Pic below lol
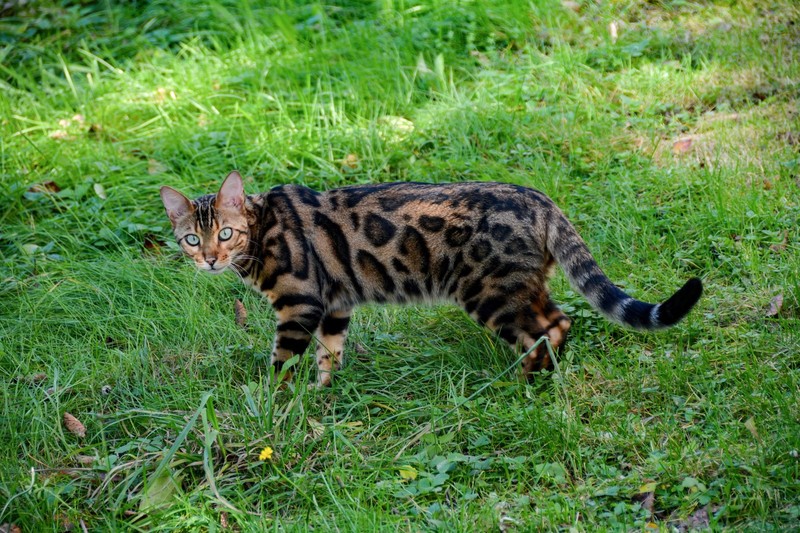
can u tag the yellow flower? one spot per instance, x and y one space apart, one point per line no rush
266 454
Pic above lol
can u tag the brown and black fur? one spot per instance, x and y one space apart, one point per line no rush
489 247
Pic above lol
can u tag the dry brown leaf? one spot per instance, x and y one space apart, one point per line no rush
10 528
481 58
646 497
47 186
51 391
682 146
240 314
223 520
65 522
750 424
60 135
350 163
74 425
775 305
85 460
696 521
782 246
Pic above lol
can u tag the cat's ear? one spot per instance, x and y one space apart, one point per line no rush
231 194
176 204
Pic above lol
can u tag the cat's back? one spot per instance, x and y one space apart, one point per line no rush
451 212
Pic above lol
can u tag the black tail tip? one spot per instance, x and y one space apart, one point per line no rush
680 303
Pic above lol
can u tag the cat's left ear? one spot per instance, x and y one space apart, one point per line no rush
231 194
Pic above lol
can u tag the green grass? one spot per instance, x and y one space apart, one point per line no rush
109 101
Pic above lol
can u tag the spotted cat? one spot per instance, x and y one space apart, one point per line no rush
489 247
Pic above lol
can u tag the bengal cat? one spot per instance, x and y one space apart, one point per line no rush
489 247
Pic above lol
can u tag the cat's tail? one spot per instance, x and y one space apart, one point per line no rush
587 278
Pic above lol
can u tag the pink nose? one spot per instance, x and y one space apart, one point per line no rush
211 261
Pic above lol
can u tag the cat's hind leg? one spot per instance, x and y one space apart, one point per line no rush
546 320
330 344
522 325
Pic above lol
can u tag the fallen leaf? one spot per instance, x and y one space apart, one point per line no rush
682 146
60 135
782 246
51 391
47 186
750 424
767 184
33 379
481 58
775 305
646 500
152 242
350 163
317 429
223 520
10 528
240 314
74 425
85 460
408 473
100 191
696 521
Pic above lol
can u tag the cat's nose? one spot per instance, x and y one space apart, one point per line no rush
211 261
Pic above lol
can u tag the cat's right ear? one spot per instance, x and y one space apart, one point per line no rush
231 194
176 204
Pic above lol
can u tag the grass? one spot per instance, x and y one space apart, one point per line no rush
674 149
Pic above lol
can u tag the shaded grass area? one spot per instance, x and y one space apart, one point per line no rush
673 147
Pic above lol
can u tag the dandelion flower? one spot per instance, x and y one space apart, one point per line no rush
266 454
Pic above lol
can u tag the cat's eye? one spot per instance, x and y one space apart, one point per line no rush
192 239
225 234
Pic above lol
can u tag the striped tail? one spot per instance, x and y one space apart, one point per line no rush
587 278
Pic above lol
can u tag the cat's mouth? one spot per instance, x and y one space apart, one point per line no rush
216 268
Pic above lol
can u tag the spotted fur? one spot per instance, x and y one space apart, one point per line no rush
488 247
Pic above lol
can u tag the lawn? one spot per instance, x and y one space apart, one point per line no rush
667 131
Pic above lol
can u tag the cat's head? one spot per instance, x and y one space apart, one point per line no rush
212 229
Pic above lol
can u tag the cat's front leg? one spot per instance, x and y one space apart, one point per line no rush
330 344
298 318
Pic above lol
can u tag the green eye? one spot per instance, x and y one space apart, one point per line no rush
225 234
192 239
